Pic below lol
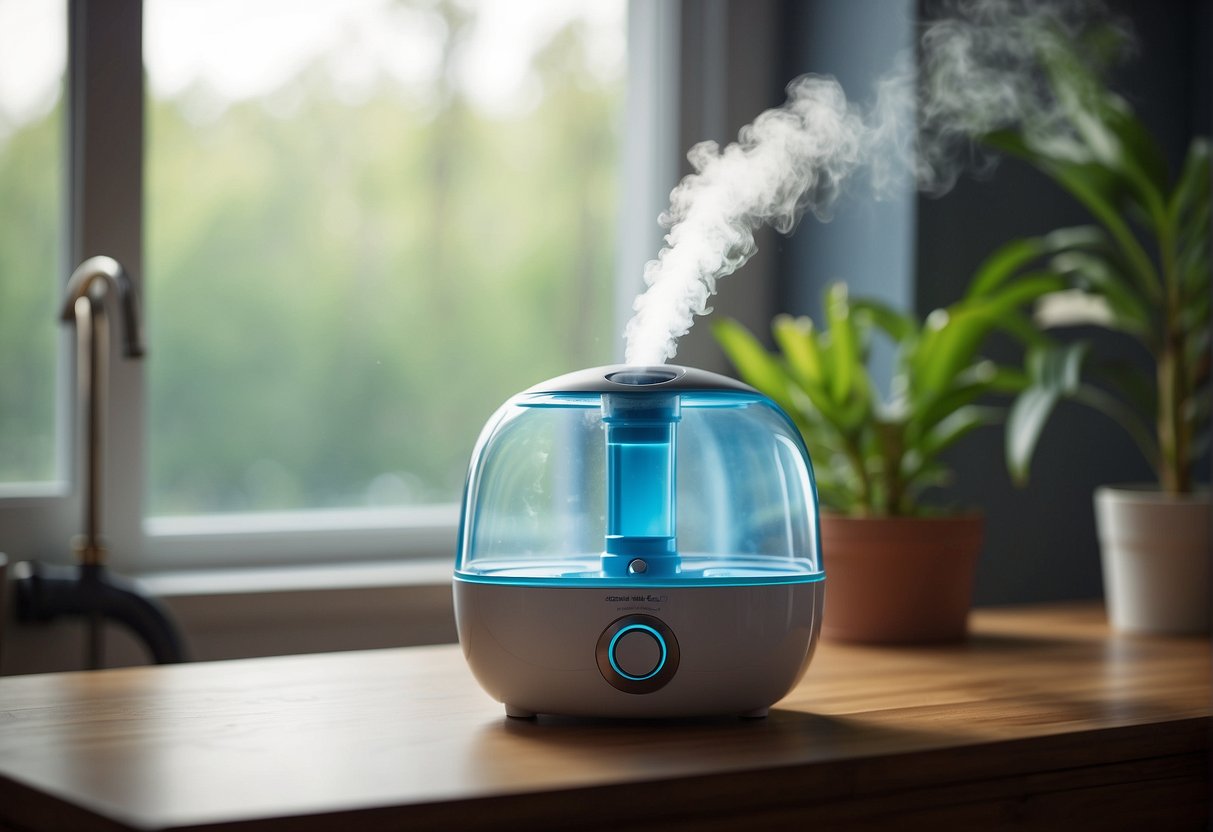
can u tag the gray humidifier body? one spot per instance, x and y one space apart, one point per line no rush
639 542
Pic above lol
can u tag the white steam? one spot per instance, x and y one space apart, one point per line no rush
979 70
789 159
982 68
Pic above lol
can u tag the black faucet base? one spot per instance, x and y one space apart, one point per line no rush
91 591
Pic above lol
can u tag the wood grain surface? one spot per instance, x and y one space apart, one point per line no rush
1042 718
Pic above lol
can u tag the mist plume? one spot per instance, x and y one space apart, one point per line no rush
978 70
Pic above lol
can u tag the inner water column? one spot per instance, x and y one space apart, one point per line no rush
640 444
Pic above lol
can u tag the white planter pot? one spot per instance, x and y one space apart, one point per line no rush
1156 552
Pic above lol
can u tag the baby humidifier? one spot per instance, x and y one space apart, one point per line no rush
639 542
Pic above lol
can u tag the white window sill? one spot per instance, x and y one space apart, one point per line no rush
207 583
213 543
264 611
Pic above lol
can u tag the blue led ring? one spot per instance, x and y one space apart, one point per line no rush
624 631
616 676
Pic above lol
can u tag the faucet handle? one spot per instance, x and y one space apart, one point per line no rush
107 273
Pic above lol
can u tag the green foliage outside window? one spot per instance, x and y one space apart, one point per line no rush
29 255
338 295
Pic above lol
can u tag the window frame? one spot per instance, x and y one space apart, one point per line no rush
104 163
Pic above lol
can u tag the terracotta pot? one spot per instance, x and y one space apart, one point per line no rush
1155 550
899 580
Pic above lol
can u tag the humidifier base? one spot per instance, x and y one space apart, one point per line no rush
638 652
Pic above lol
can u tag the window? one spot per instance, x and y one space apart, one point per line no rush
33 52
365 224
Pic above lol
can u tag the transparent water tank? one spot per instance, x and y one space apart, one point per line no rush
649 476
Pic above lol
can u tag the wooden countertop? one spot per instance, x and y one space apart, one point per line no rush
1041 715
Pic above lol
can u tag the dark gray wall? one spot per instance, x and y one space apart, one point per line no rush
738 57
919 252
1040 541
869 242
730 71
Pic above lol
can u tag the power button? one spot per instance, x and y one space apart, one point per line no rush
637 654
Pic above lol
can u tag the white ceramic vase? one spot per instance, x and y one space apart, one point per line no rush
1156 550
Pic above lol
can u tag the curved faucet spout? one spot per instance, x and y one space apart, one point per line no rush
89 590
92 279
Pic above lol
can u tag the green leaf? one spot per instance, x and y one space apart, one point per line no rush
1093 273
1054 372
1193 266
1137 156
1007 260
1096 187
1193 228
1025 423
951 339
858 409
754 364
997 379
1194 317
838 497
921 468
798 341
1003 263
812 400
918 478
807 403
953 336
958 424
975 382
844 346
1108 130
1021 329
899 326
1193 186
903 331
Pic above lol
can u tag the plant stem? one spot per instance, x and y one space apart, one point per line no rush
892 445
1173 433
854 455
1173 472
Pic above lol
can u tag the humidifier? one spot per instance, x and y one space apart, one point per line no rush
639 542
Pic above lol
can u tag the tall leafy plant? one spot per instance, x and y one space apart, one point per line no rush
1143 271
874 455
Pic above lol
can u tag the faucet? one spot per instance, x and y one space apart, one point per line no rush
84 304
44 592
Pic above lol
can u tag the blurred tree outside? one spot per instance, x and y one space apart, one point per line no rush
33 39
339 290
30 186
339 294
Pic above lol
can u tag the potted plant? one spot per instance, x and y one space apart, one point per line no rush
1144 271
897 570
